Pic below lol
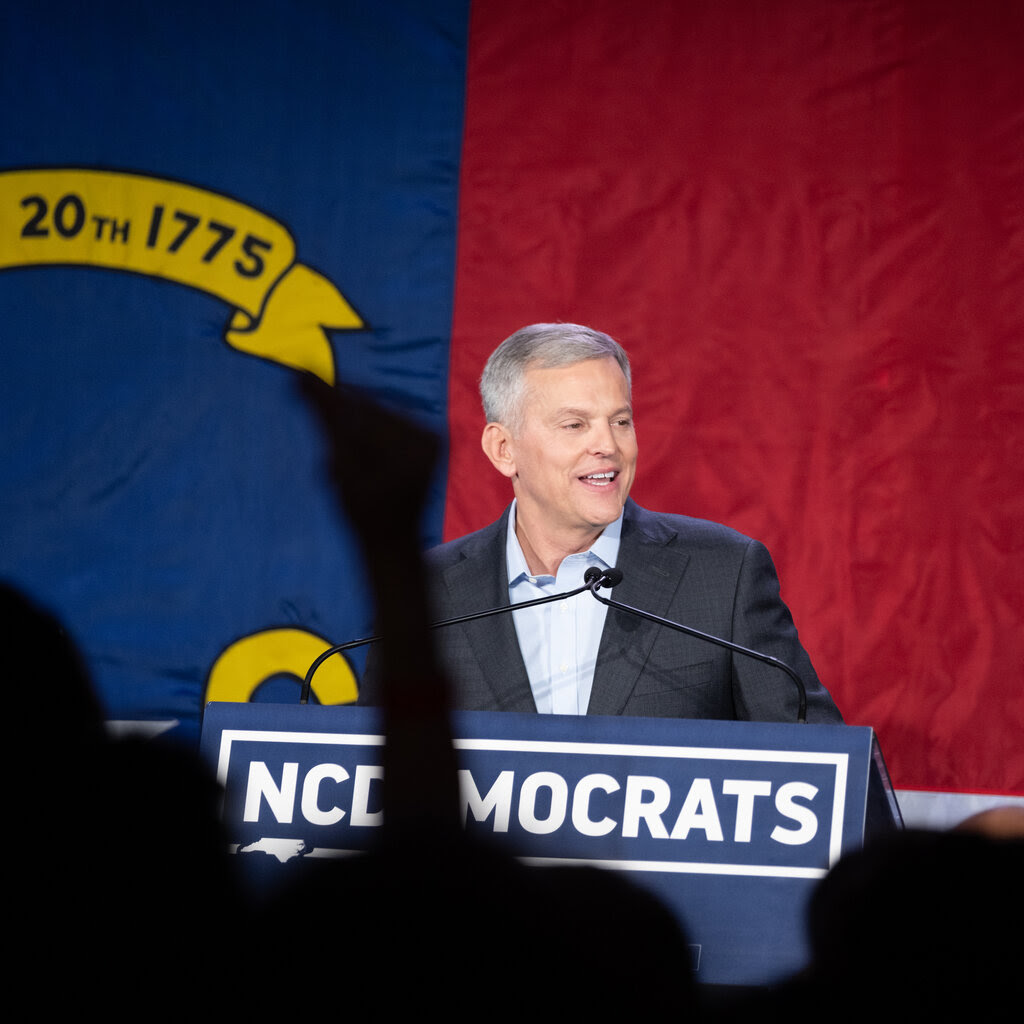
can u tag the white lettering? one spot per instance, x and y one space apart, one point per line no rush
528 803
311 810
544 803
747 790
804 816
261 785
581 819
498 799
650 811
699 811
361 815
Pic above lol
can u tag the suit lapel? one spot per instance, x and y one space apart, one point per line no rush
475 583
652 571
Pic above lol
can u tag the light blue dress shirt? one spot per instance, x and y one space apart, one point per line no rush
559 641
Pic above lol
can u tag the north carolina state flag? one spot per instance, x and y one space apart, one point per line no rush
195 200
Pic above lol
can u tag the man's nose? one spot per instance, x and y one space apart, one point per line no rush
602 439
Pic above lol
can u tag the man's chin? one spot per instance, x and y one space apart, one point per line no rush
604 513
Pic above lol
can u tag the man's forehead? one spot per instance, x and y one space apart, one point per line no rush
554 392
586 412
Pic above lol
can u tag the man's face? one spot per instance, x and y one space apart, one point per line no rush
573 463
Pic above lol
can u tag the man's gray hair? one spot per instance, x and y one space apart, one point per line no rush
547 346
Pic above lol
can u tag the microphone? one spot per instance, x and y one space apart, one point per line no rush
593 576
597 578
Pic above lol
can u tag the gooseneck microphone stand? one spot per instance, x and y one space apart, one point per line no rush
589 577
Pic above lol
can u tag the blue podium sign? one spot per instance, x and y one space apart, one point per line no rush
729 823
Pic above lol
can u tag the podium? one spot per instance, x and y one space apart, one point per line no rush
730 824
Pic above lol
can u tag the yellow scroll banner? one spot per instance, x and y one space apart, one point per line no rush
194 237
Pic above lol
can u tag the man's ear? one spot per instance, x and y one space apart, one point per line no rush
497 446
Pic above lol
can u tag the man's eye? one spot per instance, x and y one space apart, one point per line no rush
574 426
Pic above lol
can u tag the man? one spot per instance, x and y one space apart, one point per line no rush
557 398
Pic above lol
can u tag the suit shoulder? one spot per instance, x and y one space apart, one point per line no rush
695 534
445 555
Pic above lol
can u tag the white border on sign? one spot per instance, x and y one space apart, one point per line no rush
839 762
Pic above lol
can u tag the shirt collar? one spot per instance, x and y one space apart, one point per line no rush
605 549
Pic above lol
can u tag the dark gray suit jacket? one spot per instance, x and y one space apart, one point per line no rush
692 571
